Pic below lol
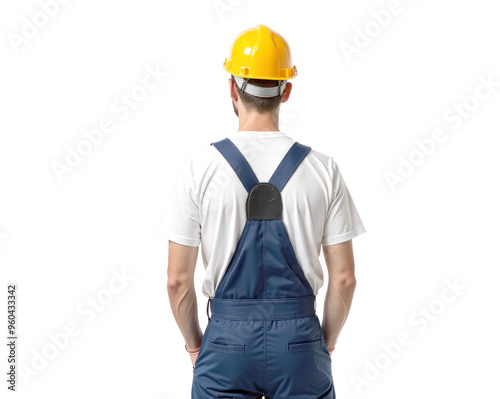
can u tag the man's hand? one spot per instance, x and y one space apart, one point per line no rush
331 351
194 354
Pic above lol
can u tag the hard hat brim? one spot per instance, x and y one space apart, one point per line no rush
245 72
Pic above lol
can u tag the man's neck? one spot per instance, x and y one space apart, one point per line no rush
268 122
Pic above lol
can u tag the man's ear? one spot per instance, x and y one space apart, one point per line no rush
232 89
286 92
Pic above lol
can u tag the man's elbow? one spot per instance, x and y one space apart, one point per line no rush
347 282
176 284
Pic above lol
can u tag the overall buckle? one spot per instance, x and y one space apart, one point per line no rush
209 304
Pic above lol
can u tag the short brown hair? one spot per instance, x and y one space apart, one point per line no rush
259 104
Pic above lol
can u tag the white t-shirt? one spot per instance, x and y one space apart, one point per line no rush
208 204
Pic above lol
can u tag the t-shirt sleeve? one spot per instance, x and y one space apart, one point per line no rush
342 221
184 225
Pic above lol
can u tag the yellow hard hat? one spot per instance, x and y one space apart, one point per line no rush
260 53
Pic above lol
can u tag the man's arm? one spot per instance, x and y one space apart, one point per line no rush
181 292
341 285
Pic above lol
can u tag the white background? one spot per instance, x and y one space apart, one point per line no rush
61 239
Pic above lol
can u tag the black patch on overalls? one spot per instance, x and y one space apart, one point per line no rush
264 202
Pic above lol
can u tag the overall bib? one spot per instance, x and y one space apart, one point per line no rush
263 336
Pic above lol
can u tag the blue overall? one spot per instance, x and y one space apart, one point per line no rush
263 336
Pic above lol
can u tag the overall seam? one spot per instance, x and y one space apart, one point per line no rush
265 356
265 259
291 253
277 300
252 318
236 254
265 296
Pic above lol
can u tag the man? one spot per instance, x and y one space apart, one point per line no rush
261 205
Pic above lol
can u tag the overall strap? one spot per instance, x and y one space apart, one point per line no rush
238 162
288 165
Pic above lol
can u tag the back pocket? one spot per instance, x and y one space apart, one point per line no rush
303 344
226 346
